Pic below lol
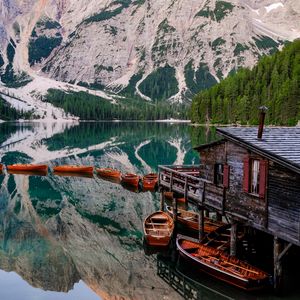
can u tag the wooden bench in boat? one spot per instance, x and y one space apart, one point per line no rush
155 223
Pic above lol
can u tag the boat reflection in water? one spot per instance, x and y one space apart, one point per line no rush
73 174
194 285
183 284
29 173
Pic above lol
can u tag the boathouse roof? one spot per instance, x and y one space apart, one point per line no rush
280 144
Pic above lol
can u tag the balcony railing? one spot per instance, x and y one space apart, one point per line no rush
185 180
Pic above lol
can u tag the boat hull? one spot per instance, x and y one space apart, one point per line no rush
189 220
150 181
130 179
110 173
158 229
73 169
247 284
27 167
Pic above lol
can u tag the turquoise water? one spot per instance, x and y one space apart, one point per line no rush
81 238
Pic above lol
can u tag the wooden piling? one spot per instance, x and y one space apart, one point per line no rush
175 210
201 223
277 278
233 239
218 216
162 200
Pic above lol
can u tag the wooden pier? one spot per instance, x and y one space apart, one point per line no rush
249 180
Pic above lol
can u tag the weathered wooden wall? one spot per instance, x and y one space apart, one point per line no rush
238 202
208 158
278 213
284 203
244 206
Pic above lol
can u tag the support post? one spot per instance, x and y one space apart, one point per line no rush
186 194
162 200
218 216
201 223
277 278
233 239
175 210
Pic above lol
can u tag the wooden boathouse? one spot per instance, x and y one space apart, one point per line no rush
250 176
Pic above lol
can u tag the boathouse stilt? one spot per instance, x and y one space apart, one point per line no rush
280 250
201 223
162 201
175 213
233 239
218 217
277 277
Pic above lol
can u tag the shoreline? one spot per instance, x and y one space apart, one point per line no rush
96 121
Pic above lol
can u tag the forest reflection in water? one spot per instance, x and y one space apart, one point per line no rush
57 231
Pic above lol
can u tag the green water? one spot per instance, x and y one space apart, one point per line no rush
81 238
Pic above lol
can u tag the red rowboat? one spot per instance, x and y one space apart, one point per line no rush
73 169
158 229
222 266
27 167
150 181
190 220
130 179
1 167
108 172
169 196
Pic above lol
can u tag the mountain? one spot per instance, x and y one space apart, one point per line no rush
274 82
151 49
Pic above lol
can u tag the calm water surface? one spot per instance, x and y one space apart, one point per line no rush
81 238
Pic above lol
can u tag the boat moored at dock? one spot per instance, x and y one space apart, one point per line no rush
73 169
158 229
150 181
190 220
27 167
130 179
108 172
222 266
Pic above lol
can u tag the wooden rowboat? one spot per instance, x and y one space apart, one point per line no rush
150 181
190 220
73 169
169 196
130 179
27 167
1 167
108 172
220 238
222 266
158 229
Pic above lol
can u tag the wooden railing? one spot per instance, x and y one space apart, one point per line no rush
185 180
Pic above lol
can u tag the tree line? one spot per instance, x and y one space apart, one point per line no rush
90 107
273 82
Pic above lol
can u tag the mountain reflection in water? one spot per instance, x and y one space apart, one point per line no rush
62 234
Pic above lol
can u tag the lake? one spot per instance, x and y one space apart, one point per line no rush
82 238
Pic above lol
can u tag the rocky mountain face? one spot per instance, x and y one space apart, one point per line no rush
156 49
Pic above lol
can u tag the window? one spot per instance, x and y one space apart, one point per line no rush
219 173
254 176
